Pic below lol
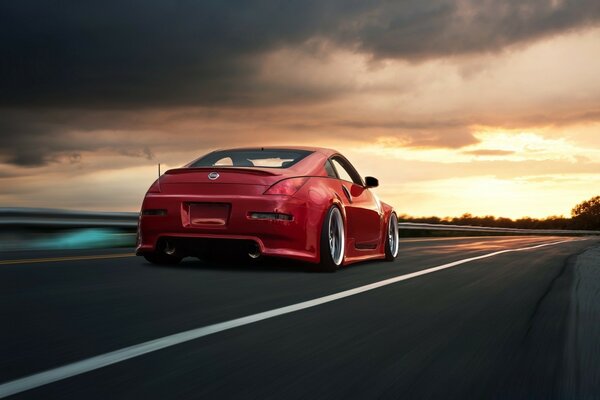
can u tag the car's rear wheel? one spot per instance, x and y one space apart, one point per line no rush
392 243
162 259
333 241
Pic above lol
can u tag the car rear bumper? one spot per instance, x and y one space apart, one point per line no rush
296 236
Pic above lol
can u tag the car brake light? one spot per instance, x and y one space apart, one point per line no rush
287 187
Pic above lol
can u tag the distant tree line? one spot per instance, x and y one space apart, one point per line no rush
584 216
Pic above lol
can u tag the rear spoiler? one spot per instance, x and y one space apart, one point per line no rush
242 170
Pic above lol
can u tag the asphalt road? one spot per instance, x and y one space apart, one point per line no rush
495 327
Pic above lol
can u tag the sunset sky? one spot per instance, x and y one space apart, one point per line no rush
486 107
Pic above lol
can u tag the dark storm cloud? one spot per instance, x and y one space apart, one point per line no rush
23 138
37 137
132 53
425 29
145 52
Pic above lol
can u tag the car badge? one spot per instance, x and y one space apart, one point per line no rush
213 175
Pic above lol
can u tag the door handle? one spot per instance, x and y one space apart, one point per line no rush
347 193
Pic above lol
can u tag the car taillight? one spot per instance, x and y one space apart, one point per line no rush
287 187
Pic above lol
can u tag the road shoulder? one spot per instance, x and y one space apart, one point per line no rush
582 350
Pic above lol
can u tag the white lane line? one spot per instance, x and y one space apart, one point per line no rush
103 360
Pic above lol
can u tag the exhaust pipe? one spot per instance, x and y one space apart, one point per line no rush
254 251
169 248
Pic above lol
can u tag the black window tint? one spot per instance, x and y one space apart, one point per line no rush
268 158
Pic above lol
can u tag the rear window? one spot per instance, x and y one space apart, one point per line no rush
269 158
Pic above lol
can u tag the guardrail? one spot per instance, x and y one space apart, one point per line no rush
49 218
54 218
468 228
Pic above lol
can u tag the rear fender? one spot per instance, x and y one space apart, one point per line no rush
387 212
334 201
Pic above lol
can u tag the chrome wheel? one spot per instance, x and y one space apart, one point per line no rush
393 240
336 236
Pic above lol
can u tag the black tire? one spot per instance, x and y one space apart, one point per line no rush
328 262
161 259
392 243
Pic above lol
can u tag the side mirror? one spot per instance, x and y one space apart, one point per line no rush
371 182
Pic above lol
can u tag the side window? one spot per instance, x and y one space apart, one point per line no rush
329 169
341 171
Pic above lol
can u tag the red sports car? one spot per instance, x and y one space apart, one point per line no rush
303 203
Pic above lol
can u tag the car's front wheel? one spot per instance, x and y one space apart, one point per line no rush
333 241
392 243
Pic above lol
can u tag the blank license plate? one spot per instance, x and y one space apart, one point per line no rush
209 214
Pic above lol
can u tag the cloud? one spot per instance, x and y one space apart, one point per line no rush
427 140
591 115
143 152
489 152
33 138
421 29
152 53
